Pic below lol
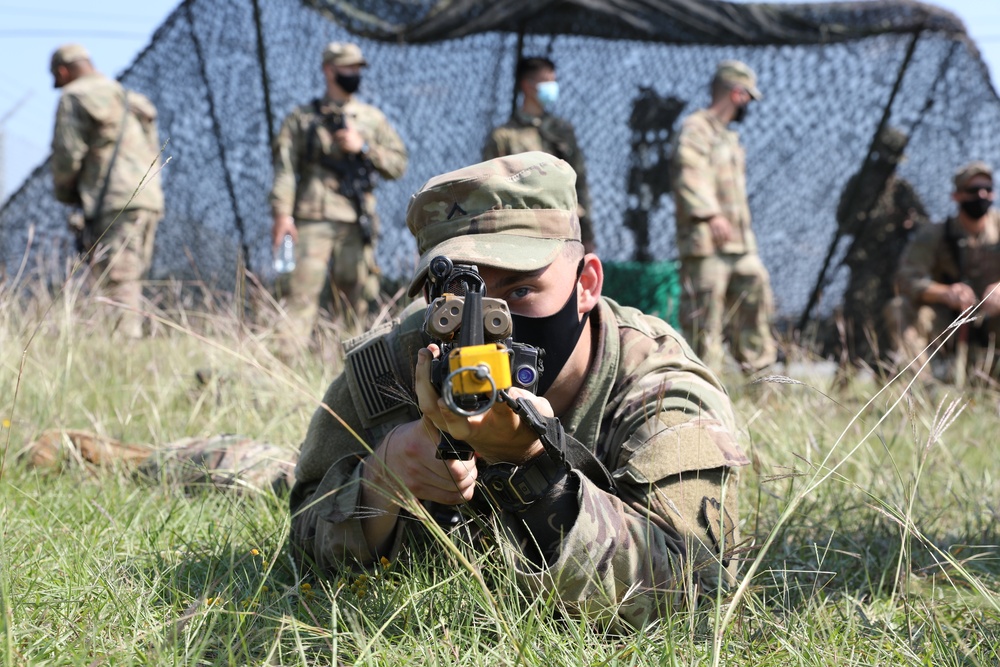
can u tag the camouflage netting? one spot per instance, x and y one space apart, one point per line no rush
833 74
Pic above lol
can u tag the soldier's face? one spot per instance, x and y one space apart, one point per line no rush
529 86
978 187
60 76
542 293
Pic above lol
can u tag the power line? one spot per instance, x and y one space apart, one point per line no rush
62 32
48 14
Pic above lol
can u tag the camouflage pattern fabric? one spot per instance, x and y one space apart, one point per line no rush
736 287
709 170
88 122
224 461
334 268
122 251
929 257
306 190
329 256
880 235
943 253
549 134
512 213
649 410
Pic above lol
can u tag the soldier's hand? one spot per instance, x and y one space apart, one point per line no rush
722 230
408 456
991 300
499 434
349 140
960 296
283 224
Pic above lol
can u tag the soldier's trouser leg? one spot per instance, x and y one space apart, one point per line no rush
749 301
912 327
312 261
703 291
351 268
122 252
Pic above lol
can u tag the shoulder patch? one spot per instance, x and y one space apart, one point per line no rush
372 379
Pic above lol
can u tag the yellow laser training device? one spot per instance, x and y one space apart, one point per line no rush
493 360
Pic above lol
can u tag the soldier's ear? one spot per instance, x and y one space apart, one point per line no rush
591 282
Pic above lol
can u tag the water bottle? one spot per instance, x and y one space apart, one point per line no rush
284 255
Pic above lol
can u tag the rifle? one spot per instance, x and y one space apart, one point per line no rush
356 173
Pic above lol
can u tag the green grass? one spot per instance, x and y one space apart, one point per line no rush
874 525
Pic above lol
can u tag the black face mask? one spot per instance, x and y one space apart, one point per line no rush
557 334
976 208
349 82
741 113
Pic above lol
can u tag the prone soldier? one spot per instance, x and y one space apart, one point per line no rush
613 485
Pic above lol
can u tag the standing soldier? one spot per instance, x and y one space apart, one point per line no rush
326 160
880 212
533 128
720 270
105 154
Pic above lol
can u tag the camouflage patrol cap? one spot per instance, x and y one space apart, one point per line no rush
738 73
970 171
66 54
343 53
514 213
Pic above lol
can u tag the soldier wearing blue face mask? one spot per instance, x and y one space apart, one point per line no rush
533 127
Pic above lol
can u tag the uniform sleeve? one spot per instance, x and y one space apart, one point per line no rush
695 186
493 147
633 557
388 153
286 155
916 265
326 518
69 147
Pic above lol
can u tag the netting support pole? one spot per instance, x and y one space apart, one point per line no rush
217 129
265 82
517 59
886 113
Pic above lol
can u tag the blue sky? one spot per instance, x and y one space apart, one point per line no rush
115 31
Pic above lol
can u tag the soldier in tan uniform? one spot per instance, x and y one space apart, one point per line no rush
104 147
327 157
644 511
948 268
721 272
533 128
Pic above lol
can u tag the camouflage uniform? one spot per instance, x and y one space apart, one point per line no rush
331 247
549 134
88 122
648 409
222 461
709 171
880 235
943 253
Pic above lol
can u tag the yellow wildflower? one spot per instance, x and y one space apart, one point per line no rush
6 423
385 563
254 552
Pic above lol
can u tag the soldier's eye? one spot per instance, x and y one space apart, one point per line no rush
519 293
